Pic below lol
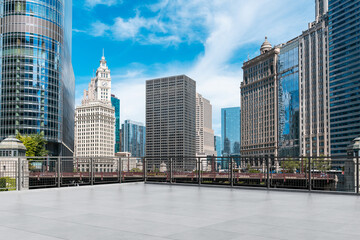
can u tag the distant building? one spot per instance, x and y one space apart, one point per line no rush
217 145
288 99
115 102
344 60
133 138
314 85
95 122
204 131
171 117
259 110
230 130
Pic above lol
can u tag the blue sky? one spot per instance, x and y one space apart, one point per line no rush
208 40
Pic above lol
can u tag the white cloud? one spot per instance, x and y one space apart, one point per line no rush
93 3
98 29
224 27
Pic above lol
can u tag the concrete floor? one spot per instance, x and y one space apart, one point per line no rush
155 212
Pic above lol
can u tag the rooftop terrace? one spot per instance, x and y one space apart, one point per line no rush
155 212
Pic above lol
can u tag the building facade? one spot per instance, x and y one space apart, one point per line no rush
289 100
230 131
259 110
171 117
217 145
133 138
95 118
36 80
344 60
314 85
204 131
115 102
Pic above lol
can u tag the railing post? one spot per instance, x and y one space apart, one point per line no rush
171 171
119 166
357 173
144 168
91 171
267 172
59 172
19 174
231 171
310 167
199 170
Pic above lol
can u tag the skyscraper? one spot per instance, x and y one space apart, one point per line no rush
288 99
204 131
37 79
171 117
230 131
133 138
95 118
217 145
344 60
259 110
314 85
115 102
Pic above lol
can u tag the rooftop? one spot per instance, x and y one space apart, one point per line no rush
155 212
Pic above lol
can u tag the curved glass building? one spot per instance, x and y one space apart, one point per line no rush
36 77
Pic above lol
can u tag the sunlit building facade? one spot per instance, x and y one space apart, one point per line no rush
36 76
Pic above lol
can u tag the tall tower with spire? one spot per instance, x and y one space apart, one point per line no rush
95 121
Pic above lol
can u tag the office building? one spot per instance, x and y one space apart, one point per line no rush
288 99
230 131
314 85
95 118
171 117
204 131
344 60
259 110
37 80
115 102
217 145
133 138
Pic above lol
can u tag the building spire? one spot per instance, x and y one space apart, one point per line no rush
103 53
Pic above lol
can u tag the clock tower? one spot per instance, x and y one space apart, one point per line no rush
102 82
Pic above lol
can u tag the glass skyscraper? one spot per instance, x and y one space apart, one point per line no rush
230 130
115 102
133 138
217 145
288 99
344 70
36 79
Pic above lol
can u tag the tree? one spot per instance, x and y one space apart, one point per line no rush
290 165
34 143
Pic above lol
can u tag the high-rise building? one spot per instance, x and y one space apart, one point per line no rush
37 80
288 99
217 145
204 131
133 138
259 110
115 102
344 60
230 131
314 85
95 118
171 117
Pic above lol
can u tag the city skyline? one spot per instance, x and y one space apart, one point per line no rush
141 55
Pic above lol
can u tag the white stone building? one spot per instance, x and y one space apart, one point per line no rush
95 124
204 131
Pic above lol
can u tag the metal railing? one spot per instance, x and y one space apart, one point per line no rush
324 174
